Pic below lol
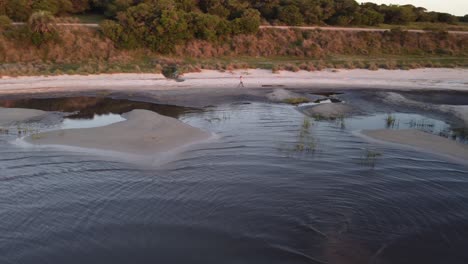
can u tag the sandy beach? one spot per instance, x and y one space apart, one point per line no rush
144 133
434 79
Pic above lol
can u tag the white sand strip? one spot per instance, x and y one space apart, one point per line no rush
454 79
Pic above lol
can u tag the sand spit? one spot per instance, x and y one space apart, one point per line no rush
460 111
144 133
423 141
280 95
454 79
11 116
330 110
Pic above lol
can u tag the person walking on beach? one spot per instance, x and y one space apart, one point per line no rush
241 82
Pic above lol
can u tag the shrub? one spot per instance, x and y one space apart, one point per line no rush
42 27
5 23
372 67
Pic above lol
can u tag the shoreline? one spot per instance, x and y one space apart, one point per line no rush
417 79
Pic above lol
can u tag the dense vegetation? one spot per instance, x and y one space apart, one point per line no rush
135 34
162 24
83 50
290 12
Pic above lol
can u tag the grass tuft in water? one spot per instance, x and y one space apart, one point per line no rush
297 100
36 136
390 121
371 157
306 141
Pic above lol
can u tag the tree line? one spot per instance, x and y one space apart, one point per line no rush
289 12
162 24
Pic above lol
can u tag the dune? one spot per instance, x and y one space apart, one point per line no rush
423 141
143 133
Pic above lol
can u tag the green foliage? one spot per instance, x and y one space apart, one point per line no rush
464 19
297 100
159 26
80 6
290 15
41 25
162 25
53 6
112 30
248 23
206 26
5 23
18 10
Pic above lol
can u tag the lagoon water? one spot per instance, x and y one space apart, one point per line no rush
277 187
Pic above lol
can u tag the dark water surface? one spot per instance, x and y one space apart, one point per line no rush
87 107
277 187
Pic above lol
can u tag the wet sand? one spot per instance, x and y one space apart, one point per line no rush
11 116
144 133
422 141
330 111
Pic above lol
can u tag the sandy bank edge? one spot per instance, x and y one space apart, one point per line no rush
145 137
11 116
419 141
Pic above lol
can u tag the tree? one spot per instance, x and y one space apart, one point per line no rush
248 23
5 22
155 24
290 15
80 6
399 14
267 8
371 17
18 10
214 7
464 19
41 24
206 26
447 18
53 6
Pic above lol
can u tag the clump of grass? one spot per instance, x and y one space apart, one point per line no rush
297 100
390 121
371 157
306 123
103 93
372 67
275 69
306 141
36 136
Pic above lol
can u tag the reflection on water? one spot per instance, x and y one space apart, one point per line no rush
96 121
405 121
87 107
242 199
